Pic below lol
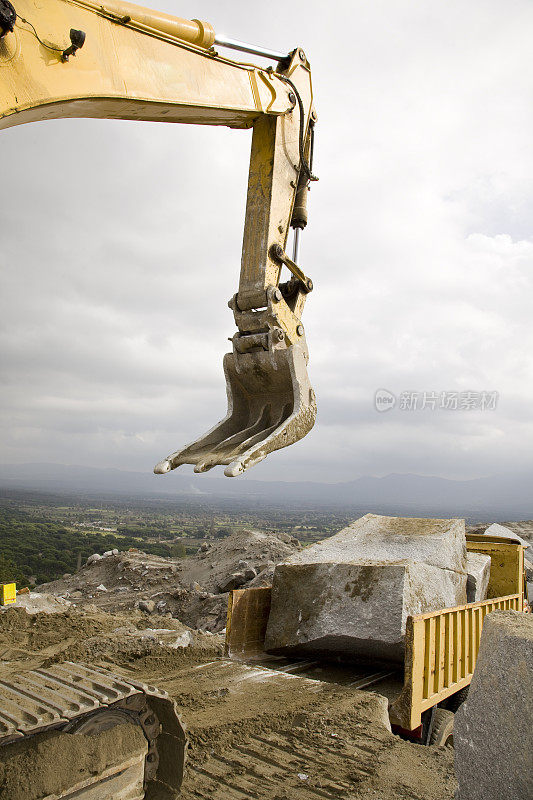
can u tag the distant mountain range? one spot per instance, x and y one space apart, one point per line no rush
493 498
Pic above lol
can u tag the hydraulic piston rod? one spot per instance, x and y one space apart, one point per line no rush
194 31
234 44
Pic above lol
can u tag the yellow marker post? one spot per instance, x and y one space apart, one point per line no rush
8 593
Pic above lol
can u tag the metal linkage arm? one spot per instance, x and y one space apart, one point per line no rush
270 400
114 59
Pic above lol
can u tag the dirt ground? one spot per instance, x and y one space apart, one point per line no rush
193 590
254 733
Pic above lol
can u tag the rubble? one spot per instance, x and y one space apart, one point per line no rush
493 729
352 593
147 605
265 577
192 589
36 602
235 581
281 724
224 557
159 623
478 576
357 610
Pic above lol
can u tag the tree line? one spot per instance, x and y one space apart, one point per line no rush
34 550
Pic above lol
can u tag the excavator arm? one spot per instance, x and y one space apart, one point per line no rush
79 58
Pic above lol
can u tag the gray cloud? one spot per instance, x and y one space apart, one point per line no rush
121 246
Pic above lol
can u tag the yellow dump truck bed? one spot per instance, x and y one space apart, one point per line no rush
441 647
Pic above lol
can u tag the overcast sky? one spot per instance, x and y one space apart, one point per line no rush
121 246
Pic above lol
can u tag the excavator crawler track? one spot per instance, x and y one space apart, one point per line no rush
78 699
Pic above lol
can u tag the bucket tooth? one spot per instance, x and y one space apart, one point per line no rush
271 405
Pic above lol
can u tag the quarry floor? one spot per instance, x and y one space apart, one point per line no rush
253 733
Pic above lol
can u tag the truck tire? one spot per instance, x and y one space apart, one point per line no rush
442 732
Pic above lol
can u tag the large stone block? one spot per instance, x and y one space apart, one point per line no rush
356 610
437 542
478 570
493 730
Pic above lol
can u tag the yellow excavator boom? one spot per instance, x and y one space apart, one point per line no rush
117 60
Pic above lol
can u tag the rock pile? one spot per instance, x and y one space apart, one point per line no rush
193 590
352 593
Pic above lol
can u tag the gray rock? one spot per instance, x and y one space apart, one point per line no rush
506 533
147 605
528 569
233 582
109 553
478 570
249 574
384 540
265 565
357 610
264 578
67 575
493 729
94 558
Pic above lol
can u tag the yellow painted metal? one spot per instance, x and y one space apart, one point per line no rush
144 65
441 647
273 179
506 563
248 611
8 594
194 31
124 72
440 656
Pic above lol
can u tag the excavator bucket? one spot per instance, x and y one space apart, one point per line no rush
271 405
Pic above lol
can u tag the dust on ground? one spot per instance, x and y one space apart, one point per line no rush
28 641
258 733
254 732
61 759
193 590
